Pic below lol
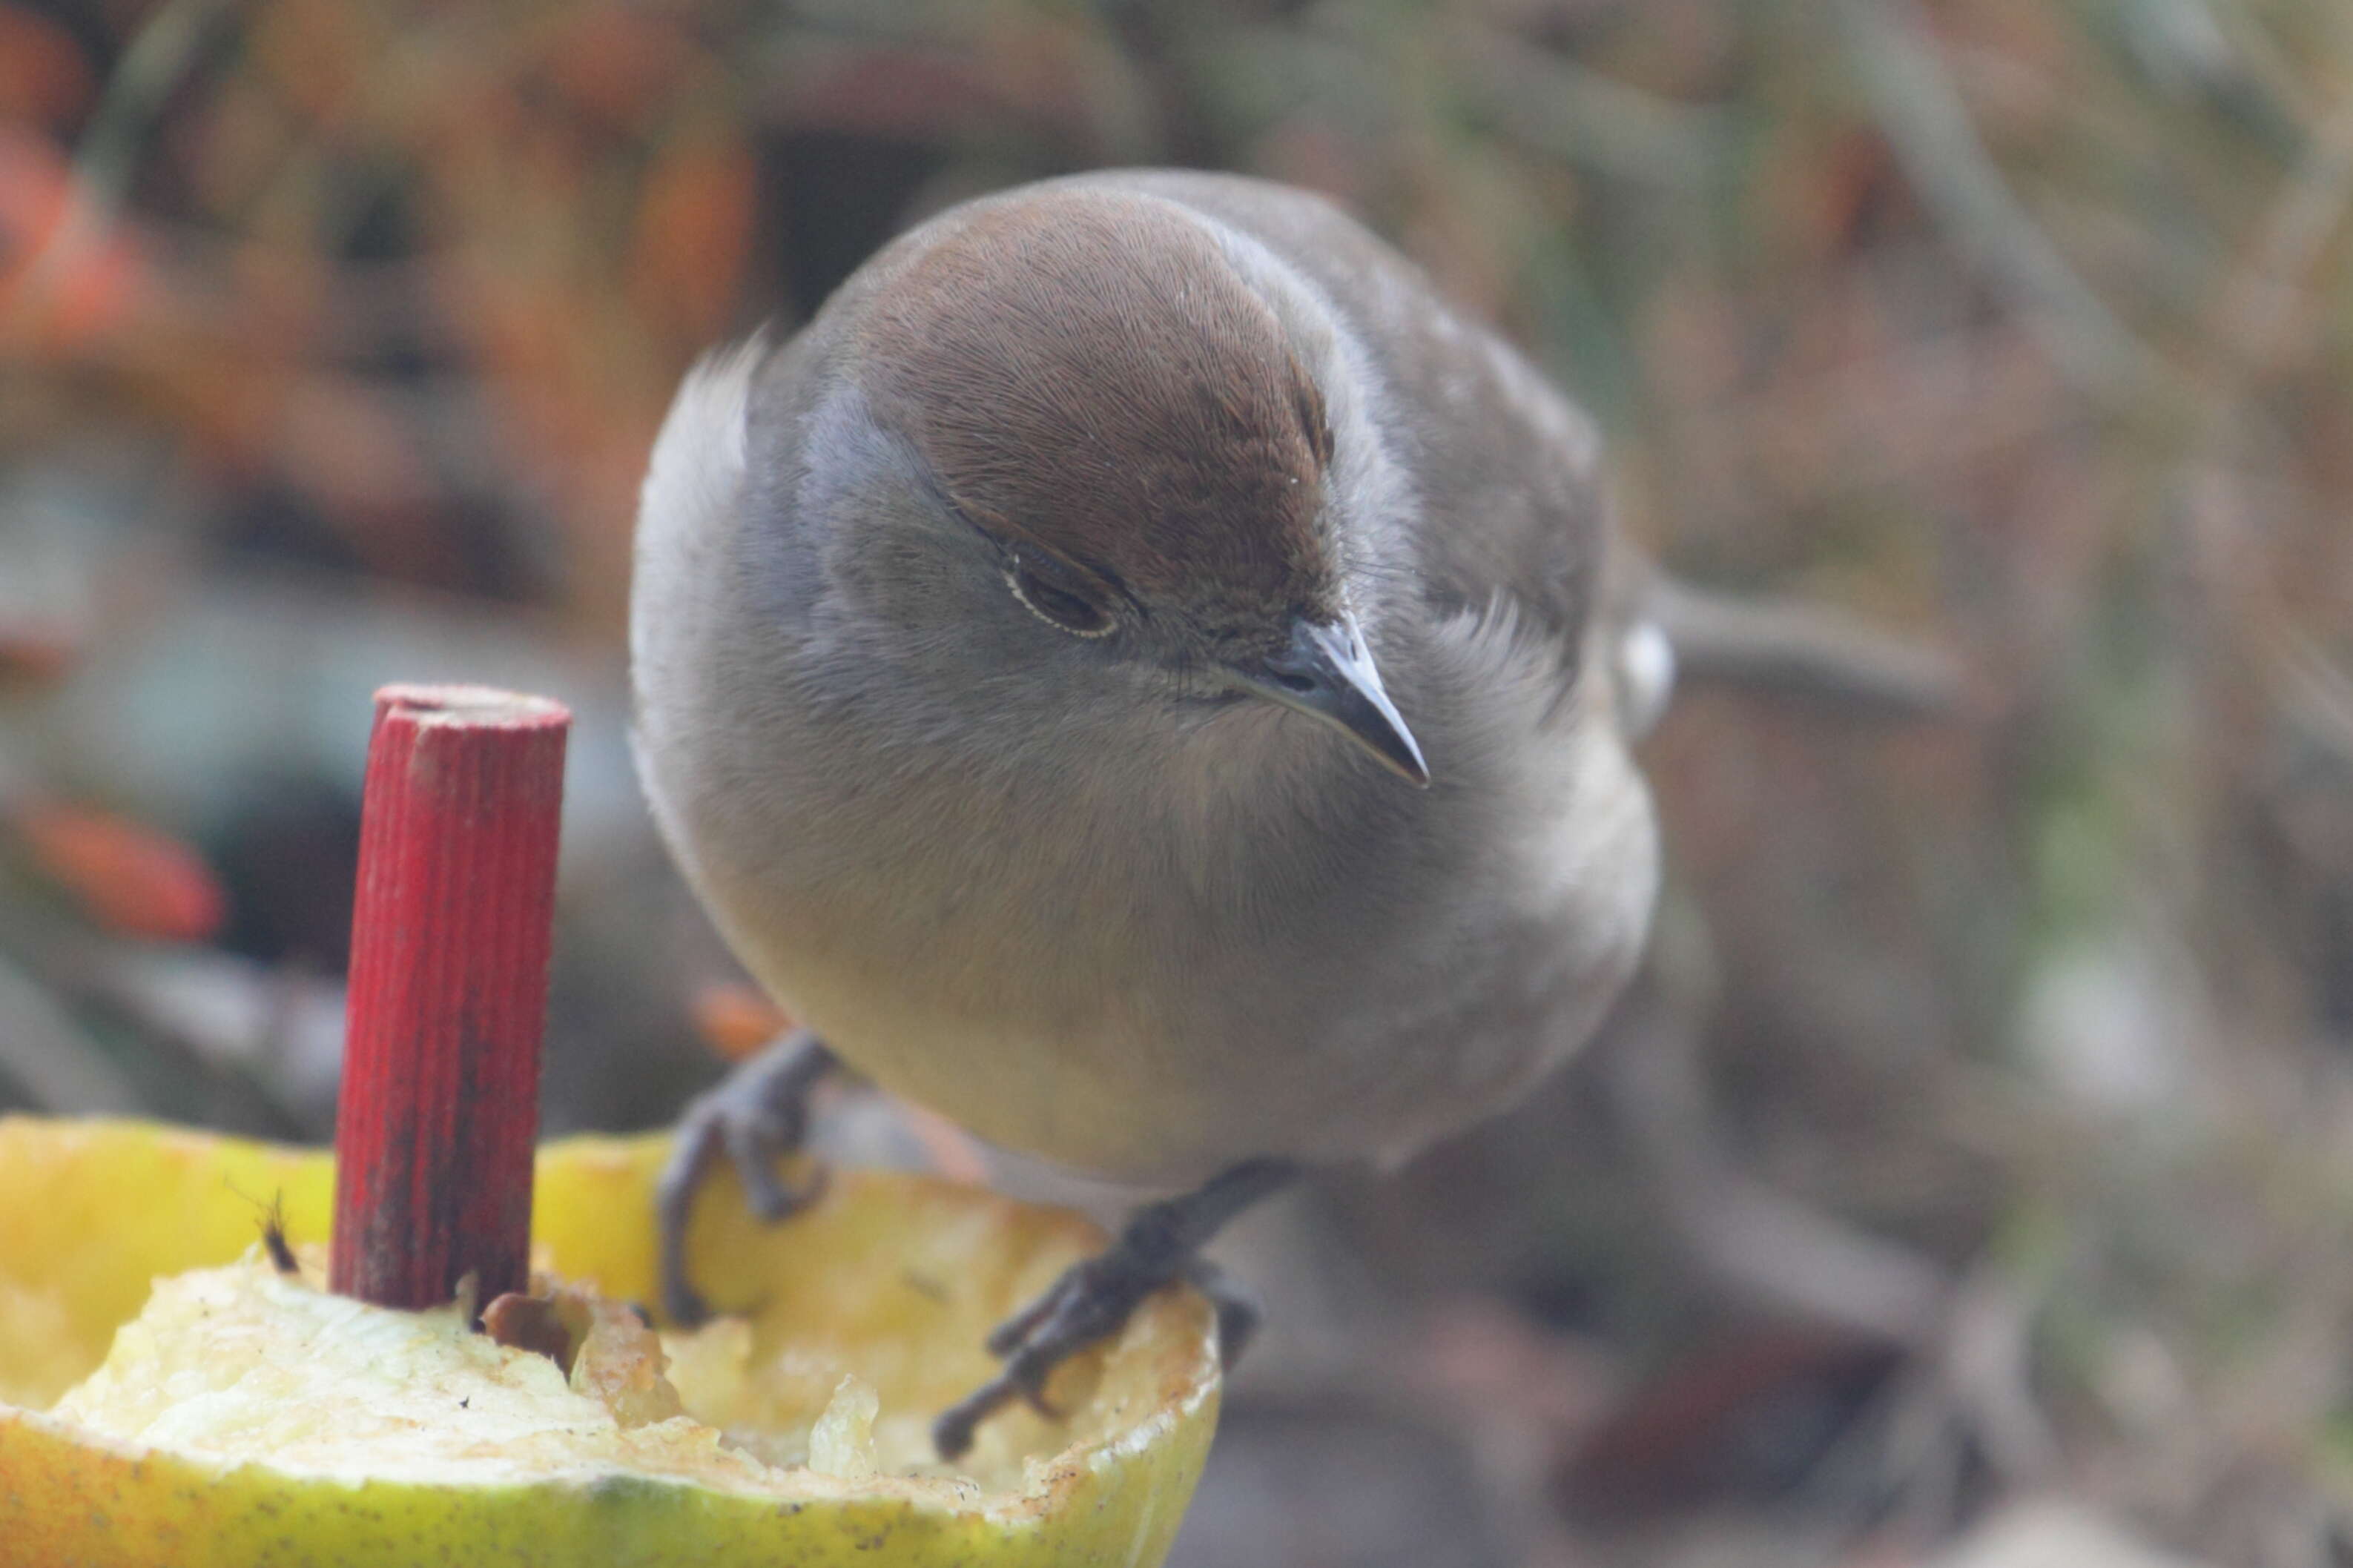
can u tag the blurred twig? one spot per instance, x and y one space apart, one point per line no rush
1770 1247
2318 692
2266 293
1929 127
1580 116
1806 651
2261 303
166 45
155 62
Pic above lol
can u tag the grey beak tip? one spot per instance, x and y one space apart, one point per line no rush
1328 674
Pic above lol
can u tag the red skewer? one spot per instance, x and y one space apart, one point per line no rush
450 933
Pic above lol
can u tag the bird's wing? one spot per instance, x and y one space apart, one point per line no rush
697 466
694 483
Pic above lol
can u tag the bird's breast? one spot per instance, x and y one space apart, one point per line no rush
1188 943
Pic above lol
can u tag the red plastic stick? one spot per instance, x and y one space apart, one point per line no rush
449 994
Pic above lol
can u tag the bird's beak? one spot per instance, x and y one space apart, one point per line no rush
1327 673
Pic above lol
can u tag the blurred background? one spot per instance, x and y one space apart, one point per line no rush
1969 1180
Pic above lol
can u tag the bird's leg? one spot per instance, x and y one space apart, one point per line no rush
757 1115
1160 1245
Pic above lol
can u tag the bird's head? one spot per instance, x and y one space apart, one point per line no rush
1087 384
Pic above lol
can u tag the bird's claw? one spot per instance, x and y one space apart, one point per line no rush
1007 1336
1094 1298
754 1143
1091 1301
756 1116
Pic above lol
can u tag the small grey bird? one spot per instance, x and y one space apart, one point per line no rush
1141 675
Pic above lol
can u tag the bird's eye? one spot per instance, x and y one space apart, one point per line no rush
1059 603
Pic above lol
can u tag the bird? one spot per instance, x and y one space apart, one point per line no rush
1142 675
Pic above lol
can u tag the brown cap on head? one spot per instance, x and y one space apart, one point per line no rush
1085 370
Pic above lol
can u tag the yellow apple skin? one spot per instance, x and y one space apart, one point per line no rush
899 1275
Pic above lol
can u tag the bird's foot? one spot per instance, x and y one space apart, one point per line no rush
1091 1301
1094 1298
757 1115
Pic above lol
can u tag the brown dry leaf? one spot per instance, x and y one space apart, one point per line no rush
618 65
66 275
735 1021
129 877
33 654
693 237
44 78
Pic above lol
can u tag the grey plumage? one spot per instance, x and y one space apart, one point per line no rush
1053 886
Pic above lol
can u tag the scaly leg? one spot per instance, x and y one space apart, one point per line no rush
758 1114
1092 1301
